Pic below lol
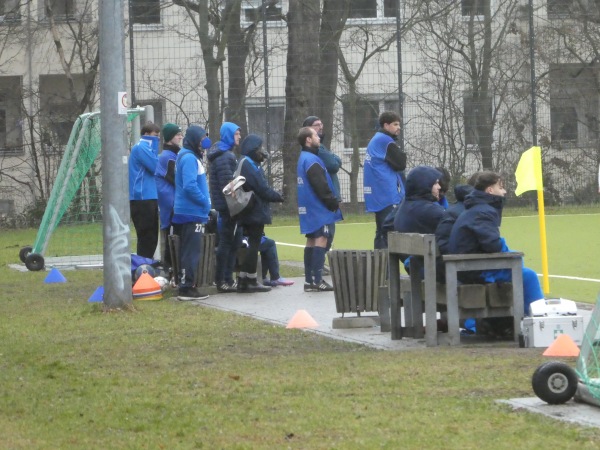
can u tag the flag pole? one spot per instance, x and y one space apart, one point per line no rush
543 242
529 178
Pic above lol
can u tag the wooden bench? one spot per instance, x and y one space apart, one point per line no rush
357 276
459 300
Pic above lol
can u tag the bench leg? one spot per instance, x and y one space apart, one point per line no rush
518 301
452 305
384 309
395 306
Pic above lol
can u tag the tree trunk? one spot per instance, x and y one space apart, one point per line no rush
237 53
333 20
302 78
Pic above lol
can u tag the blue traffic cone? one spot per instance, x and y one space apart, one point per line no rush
55 277
97 296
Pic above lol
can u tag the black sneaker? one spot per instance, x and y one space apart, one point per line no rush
190 294
253 285
310 287
226 287
324 286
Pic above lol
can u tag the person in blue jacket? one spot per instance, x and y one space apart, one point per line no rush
333 164
255 220
420 211
318 207
383 172
191 209
142 190
444 228
477 230
222 166
165 184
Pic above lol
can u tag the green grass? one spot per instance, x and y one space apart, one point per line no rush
176 376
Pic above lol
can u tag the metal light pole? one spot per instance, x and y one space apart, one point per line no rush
115 187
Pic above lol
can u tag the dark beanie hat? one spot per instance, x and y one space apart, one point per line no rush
250 144
309 121
169 130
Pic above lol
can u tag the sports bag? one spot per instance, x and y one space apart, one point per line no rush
238 201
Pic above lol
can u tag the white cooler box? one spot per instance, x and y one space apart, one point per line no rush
553 307
542 331
552 317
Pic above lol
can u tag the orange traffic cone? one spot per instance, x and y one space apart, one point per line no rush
146 288
302 319
563 345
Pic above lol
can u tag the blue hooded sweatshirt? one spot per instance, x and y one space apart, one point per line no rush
192 201
222 165
142 164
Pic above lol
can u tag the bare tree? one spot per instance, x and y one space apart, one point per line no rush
302 78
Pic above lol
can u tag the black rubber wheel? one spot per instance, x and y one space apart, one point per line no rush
34 262
554 382
24 253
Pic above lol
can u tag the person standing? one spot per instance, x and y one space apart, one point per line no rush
221 169
142 190
318 207
191 210
165 184
255 220
333 164
382 182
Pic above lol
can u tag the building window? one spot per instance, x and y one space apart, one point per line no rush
474 108
563 123
145 12
473 7
252 11
257 122
559 9
366 119
60 9
58 112
372 9
574 101
7 208
11 122
9 11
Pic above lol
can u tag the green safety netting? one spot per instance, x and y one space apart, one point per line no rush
588 364
73 214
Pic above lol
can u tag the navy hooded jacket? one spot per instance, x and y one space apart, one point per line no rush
419 212
257 182
442 233
222 165
477 229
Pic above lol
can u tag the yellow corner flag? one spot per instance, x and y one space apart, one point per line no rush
529 178
529 171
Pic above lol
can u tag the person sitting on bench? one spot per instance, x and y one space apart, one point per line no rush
477 230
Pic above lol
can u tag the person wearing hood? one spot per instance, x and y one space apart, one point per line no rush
383 172
318 207
444 228
477 230
222 166
165 185
254 221
142 190
191 208
420 211
333 164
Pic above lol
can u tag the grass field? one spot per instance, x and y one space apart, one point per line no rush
169 375
573 248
